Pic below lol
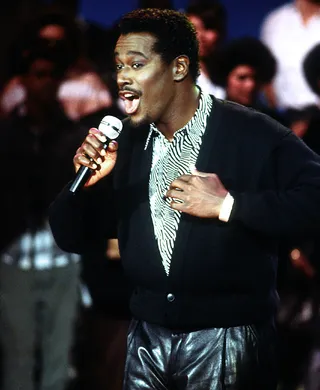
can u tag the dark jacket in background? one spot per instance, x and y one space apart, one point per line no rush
36 163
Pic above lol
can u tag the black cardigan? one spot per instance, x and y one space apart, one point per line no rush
222 274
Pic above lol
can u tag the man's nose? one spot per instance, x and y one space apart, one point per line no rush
123 78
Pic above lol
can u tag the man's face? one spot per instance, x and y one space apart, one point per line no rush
242 85
145 81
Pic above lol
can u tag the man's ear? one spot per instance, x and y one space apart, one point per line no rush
180 68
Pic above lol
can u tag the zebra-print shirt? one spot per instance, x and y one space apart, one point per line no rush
169 161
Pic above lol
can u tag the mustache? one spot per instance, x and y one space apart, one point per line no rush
128 89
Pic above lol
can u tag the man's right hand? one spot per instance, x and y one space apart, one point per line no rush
93 155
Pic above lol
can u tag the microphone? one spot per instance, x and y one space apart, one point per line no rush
110 127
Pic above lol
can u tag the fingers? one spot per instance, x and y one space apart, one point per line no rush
98 141
195 172
179 206
100 136
187 178
113 146
180 182
93 150
175 194
183 182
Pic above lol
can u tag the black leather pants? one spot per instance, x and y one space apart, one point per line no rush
238 358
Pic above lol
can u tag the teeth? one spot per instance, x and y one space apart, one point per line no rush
128 95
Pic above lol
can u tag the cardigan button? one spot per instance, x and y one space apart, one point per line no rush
170 297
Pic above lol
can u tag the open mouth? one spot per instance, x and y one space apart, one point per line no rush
131 101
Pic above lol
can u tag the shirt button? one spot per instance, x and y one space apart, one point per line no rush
170 297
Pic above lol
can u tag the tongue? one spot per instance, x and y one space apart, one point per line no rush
131 106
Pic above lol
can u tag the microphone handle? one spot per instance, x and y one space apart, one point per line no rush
81 178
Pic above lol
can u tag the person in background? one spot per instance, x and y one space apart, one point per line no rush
311 71
101 351
82 91
203 192
290 31
242 68
210 22
298 315
39 283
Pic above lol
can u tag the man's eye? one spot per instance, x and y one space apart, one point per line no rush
119 66
137 65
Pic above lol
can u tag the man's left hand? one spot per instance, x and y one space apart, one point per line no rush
200 194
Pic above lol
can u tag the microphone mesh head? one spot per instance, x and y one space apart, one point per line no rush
110 126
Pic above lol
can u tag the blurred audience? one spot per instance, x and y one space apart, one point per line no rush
242 68
298 312
290 31
210 22
298 315
311 67
101 352
82 91
38 282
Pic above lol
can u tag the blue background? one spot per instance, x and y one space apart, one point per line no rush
244 17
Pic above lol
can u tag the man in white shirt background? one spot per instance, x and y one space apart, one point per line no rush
290 31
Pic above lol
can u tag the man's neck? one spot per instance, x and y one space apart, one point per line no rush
307 9
182 111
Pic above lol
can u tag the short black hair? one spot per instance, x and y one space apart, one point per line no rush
175 35
245 51
311 69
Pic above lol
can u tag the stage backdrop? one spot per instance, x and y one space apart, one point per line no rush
244 16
